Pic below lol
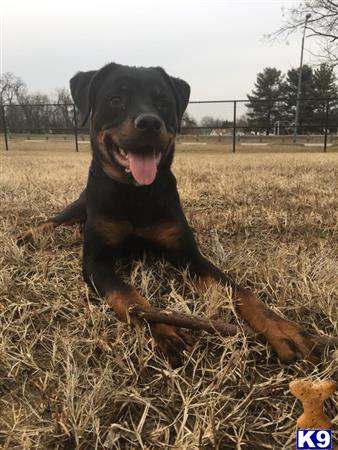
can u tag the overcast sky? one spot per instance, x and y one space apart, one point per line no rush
218 46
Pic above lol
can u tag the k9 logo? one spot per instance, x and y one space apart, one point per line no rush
314 439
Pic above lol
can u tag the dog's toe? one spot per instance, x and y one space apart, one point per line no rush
172 342
292 343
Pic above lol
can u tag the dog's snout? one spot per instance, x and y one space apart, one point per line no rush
148 123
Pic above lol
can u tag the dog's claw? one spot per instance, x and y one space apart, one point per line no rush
172 342
25 238
292 343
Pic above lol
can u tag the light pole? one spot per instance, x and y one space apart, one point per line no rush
299 88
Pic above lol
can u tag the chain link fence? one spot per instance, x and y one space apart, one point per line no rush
266 121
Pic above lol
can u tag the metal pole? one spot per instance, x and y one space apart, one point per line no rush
326 123
299 88
75 130
234 129
4 124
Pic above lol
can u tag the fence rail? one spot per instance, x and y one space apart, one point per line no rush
56 118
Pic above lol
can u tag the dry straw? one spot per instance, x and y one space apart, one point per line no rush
73 377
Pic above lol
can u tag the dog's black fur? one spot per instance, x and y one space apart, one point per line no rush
137 112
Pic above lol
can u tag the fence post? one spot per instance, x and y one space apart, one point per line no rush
234 129
4 124
75 129
326 123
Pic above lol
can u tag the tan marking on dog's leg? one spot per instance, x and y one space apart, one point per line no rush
29 236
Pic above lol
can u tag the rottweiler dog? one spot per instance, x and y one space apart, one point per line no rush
131 204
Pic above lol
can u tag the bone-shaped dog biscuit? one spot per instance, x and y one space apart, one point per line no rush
312 395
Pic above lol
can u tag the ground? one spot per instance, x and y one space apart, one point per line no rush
73 377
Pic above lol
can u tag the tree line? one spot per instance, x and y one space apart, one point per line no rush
34 112
273 100
271 104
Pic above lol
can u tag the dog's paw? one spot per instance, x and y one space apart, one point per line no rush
25 238
172 341
31 235
293 343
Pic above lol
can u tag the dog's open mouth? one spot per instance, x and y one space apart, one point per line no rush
142 165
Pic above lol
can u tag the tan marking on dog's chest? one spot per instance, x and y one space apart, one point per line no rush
165 234
113 233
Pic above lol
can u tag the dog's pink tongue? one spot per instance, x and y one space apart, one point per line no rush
143 168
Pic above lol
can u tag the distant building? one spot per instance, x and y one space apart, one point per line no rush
219 132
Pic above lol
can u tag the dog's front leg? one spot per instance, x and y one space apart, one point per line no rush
98 262
288 338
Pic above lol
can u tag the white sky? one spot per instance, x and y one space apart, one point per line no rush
215 45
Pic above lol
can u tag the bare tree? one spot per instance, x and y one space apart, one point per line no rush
63 96
36 112
12 91
242 121
12 88
322 25
188 123
64 112
209 121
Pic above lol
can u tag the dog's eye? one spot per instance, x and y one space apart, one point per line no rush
116 100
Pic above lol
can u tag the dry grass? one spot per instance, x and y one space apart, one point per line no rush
73 377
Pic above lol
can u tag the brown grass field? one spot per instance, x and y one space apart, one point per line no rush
73 377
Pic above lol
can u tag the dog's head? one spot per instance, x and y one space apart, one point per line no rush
135 113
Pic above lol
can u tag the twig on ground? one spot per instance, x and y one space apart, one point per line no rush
156 315
170 317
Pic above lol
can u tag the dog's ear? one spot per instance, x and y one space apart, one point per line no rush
84 86
79 88
181 91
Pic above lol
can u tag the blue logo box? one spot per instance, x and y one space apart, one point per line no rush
314 439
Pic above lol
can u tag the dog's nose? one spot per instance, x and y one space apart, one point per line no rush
148 123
